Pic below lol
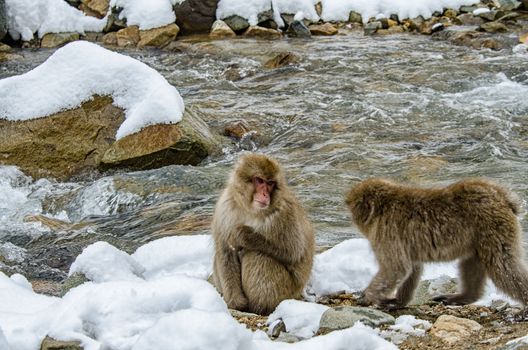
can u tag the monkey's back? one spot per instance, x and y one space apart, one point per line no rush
437 224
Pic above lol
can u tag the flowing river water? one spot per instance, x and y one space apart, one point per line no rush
403 106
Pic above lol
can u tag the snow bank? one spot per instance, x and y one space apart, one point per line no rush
338 10
335 10
78 71
25 17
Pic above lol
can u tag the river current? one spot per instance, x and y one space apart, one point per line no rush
403 106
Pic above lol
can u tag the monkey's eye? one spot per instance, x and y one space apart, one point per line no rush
259 180
271 183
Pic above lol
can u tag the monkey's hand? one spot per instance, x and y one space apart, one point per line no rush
252 240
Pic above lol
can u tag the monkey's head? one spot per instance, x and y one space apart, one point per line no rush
366 199
258 181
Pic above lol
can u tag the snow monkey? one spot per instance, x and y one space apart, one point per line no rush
264 242
472 220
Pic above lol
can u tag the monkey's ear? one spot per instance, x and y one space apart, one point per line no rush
363 210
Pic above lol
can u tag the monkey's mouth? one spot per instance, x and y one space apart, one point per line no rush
260 205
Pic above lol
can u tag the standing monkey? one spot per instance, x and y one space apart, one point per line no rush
264 242
474 220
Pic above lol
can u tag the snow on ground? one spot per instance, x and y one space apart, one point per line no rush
158 298
300 318
25 17
78 71
338 10
146 14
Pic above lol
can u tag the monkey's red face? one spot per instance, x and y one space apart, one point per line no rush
263 192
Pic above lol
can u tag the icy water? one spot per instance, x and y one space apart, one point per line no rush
404 107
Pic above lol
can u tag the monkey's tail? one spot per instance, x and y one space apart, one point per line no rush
510 275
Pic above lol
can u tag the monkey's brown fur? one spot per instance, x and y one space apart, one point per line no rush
262 256
474 220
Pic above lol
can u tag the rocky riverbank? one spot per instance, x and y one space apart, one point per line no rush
491 24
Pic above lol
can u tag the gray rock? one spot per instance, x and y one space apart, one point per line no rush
3 19
114 23
428 289
299 30
467 19
265 16
277 329
507 5
236 23
346 316
195 16
287 338
468 9
491 15
355 17
372 27
72 281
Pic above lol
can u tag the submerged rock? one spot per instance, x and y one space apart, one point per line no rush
346 316
195 16
282 59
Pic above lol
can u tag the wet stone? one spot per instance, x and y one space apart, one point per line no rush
493 27
261 32
220 30
467 19
128 37
299 30
236 23
323 29
372 27
57 39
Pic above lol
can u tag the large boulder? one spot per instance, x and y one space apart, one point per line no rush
70 142
195 16
3 19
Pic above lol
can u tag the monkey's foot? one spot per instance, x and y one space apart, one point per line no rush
240 303
390 304
362 300
454 299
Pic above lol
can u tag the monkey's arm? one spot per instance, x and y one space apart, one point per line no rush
227 268
249 239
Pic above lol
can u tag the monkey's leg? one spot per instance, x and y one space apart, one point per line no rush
229 277
406 290
266 283
472 277
390 275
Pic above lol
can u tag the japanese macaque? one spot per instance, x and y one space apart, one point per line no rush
472 220
264 242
